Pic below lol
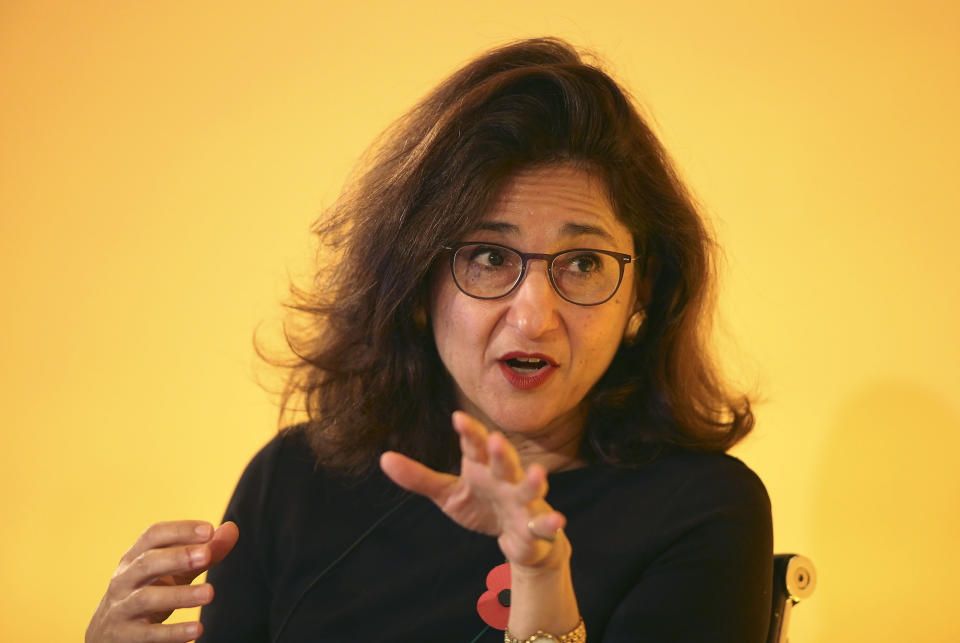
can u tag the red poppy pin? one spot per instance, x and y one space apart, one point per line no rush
494 604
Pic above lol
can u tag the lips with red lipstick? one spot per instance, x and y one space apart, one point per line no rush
526 371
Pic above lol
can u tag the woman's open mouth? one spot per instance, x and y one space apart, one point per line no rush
526 371
526 365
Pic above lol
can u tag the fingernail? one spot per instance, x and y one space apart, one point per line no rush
202 592
193 629
204 531
197 555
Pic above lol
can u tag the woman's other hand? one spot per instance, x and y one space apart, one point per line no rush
153 579
493 494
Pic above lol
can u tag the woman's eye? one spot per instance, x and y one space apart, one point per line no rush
584 263
487 257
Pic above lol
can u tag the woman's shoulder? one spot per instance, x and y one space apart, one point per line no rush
671 528
703 488
673 471
678 491
709 474
288 452
289 444
286 472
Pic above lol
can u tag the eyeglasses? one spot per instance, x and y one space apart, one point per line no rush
582 276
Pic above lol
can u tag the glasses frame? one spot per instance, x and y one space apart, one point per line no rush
525 257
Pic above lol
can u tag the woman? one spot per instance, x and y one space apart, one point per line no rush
517 252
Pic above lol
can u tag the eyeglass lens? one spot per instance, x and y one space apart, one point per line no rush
581 276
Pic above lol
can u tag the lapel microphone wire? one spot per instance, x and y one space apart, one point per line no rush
318 577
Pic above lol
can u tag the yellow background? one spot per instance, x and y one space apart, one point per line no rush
160 163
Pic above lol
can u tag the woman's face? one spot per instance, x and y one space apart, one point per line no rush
484 343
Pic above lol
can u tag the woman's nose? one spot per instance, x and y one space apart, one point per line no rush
533 305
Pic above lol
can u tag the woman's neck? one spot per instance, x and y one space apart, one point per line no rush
556 447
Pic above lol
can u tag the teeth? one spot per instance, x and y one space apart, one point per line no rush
526 364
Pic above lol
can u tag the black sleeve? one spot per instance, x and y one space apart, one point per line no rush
242 592
713 580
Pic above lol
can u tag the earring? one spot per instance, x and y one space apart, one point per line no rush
420 317
633 326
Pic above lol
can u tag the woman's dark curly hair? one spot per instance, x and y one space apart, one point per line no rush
366 365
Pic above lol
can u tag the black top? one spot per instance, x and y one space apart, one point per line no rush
679 549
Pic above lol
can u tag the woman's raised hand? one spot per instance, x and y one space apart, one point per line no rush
493 494
153 579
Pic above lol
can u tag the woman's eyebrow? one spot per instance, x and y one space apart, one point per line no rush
498 226
566 230
581 229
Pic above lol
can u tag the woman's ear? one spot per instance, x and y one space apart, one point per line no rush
420 316
646 278
421 310
634 323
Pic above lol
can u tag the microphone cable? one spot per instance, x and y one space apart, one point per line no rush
333 564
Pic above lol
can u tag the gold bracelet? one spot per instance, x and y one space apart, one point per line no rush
577 635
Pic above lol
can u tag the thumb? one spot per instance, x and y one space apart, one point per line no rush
224 538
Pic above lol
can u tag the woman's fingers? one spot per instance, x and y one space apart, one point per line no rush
160 599
534 484
493 494
416 477
504 461
224 538
546 525
164 534
535 541
486 448
171 557
473 436
153 580
153 564
159 633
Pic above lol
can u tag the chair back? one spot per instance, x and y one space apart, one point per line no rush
794 579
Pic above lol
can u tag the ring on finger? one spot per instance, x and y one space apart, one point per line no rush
533 532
